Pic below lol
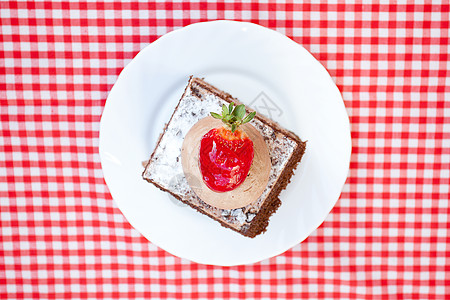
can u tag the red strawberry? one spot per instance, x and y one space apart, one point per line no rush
226 153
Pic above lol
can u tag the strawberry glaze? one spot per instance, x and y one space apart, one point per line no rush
225 158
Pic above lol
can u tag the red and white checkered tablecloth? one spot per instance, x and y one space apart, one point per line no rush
62 236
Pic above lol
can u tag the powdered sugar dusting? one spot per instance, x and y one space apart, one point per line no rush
166 160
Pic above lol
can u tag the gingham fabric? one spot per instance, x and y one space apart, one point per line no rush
62 236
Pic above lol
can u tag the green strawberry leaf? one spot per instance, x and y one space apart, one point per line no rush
249 117
239 111
216 116
230 107
225 110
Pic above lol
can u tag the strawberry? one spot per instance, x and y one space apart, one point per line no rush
226 152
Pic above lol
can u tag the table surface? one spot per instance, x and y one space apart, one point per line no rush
62 236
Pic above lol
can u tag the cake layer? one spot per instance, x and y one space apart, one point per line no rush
165 171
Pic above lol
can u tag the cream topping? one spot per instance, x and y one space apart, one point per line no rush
246 193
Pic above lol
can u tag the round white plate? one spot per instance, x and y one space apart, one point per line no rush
263 69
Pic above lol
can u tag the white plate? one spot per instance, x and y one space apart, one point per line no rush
259 66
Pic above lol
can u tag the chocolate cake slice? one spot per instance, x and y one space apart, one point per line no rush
164 168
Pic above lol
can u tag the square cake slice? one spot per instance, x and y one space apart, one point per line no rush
164 168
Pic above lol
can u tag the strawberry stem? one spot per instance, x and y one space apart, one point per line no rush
234 116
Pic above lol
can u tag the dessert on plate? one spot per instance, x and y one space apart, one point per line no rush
223 160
